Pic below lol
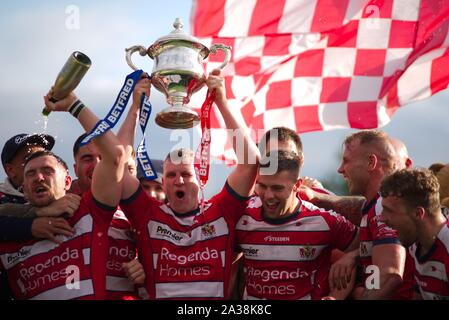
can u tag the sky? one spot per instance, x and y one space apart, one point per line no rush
37 37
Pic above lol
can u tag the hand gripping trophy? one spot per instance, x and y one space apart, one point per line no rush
178 72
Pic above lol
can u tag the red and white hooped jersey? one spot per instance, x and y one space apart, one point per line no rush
73 269
432 269
186 256
289 258
122 248
375 232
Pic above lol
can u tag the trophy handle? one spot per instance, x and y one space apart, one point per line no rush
225 49
142 51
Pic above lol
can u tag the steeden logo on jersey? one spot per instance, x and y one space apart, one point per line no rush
276 239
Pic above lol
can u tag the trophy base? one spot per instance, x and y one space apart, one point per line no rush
177 117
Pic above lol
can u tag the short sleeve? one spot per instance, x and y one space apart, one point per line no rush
343 230
381 233
137 208
100 212
232 204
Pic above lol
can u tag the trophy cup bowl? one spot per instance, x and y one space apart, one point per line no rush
178 73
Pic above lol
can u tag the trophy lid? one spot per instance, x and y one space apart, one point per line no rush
178 34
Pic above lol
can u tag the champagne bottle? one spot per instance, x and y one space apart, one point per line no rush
69 77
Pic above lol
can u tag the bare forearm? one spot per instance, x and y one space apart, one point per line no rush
127 131
244 147
107 176
87 119
107 143
242 179
350 207
389 285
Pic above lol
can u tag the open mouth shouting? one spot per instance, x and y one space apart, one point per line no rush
271 205
41 191
180 195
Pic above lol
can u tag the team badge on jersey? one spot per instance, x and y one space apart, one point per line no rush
307 252
208 230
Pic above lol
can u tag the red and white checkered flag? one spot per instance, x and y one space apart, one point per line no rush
323 64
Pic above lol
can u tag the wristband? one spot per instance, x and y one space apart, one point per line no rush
76 108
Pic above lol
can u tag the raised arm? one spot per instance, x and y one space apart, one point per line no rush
242 178
127 131
108 174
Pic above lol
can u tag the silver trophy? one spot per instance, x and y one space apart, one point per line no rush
178 72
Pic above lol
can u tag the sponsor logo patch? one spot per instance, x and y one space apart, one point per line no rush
250 252
276 239
22 253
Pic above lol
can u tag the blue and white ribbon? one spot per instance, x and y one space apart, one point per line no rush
117 109
114 115
143 160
